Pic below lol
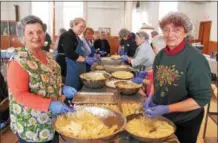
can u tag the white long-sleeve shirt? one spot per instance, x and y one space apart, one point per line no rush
143 58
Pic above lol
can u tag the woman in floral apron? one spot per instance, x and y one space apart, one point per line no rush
34 82
182 80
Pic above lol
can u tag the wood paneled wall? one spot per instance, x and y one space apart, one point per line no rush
10 41
212 47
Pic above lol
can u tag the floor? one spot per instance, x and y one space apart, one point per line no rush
9 137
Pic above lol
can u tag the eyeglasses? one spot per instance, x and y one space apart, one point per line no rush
173 30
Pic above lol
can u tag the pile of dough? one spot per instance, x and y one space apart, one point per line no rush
130 108
149 128
83 125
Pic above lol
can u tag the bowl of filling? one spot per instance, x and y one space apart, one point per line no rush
95 79
89 124
127 87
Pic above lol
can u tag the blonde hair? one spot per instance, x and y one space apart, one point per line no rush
76 21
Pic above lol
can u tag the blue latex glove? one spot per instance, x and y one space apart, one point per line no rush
157 110
125 57
142 74
138 80
148 103
69 92
57 107
102 52
121 52
89 60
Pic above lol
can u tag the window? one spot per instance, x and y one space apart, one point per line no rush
71 10
42 10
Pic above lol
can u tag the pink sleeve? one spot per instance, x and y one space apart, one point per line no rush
18 83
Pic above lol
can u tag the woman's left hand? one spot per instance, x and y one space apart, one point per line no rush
69 92
158 110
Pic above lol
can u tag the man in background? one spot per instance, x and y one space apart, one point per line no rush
102 46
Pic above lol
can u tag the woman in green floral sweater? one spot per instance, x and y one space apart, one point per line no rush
182 80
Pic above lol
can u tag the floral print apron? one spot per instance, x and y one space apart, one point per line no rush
45 81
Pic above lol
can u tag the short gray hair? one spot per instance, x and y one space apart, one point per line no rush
124 32
76 21
178 19
143 34
30 19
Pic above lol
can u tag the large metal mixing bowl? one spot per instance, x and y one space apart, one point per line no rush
130 88
91 79
109 118
146 139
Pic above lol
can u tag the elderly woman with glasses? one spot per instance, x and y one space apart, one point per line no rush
144 55
182 80
34 83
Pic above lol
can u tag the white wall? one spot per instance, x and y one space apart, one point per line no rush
8 10
106 14
210 13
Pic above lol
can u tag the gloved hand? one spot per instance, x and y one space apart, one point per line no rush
121 52
57 107
157 110
125 57
69 92
138 80
148 103
89 60
96 59
102 52
141 74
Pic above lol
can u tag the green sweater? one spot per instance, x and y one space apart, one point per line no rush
183 75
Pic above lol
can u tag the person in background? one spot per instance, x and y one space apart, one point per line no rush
144 56
61 31
60 56
127 40
76 60
4 111
102 46
34 84
157 42
182 80
96 36
48 41
88 47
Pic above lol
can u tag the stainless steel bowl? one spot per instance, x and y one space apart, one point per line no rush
143 139
114 68
109 118
131 90
110 61
90 81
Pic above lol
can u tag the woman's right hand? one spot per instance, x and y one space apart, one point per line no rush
57 107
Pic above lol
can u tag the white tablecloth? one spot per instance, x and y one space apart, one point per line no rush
212 63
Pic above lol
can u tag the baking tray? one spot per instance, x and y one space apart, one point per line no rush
96 97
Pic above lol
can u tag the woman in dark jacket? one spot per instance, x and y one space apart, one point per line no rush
182 80
71 46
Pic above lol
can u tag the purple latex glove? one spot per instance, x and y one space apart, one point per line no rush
157 110
138 80
125 57
69 92
57 107
142 74
148 103
89 60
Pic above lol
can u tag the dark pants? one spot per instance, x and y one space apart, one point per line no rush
55 139
187 132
